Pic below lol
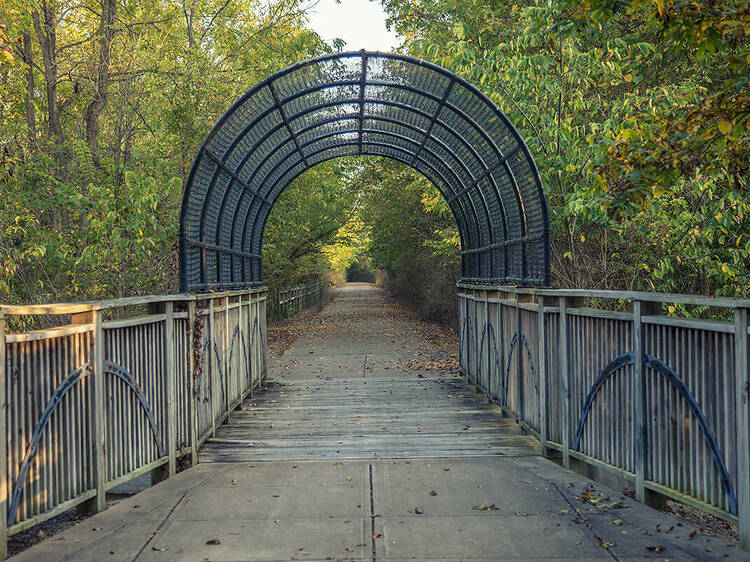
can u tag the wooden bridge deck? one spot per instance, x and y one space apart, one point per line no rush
349 390
354 451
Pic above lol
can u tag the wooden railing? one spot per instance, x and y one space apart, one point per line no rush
656 398
293 300
123 387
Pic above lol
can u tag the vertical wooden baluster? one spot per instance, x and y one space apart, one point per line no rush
227 366
213 360
519 365
742 393
3 445
100 451
565 386
639 405
171 372
542 369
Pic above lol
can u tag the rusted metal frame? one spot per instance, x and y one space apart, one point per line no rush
348 143
362 83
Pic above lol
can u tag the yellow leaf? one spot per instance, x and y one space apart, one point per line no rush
725 268
583 238
628 77
725 127
671 309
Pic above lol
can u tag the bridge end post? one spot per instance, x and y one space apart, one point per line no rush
4 488
171 372
100 434
542 367
565 381
742 393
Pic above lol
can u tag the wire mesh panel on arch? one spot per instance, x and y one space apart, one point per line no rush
364 103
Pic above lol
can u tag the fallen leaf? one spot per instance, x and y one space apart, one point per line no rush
159 548
656 548
213 541
617 521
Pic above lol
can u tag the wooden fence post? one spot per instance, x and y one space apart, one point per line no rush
99 418
214 361
225 356
500 342
4 488
565 386
639 405
742 378
542 369
192 389
486 337
171 372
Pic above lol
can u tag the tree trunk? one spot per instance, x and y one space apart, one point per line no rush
46 34
29 100
101 78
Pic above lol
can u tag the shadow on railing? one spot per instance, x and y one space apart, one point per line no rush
116 393
659 400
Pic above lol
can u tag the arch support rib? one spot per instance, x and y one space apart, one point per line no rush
362 84
280 108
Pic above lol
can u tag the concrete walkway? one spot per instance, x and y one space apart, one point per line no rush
354 453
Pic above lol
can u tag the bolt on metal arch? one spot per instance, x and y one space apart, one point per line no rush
364 103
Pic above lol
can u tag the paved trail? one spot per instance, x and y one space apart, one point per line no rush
353 454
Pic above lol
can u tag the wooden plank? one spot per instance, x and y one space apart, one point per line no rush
6 442
742 394
100 417
640 414
565 381
671 298
542 371
171 373
192 398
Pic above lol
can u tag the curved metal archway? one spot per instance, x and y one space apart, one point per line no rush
364 103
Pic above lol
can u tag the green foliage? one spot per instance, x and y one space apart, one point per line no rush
90 207
637 115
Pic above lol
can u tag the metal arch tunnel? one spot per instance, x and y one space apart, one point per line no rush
364 103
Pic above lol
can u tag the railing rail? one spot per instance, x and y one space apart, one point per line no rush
657 399
293 300
92 404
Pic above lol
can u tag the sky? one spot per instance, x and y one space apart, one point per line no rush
361 23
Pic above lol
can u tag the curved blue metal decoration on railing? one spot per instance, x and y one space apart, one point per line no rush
529 356
465 338
489 329
613 366
658 366
76 375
